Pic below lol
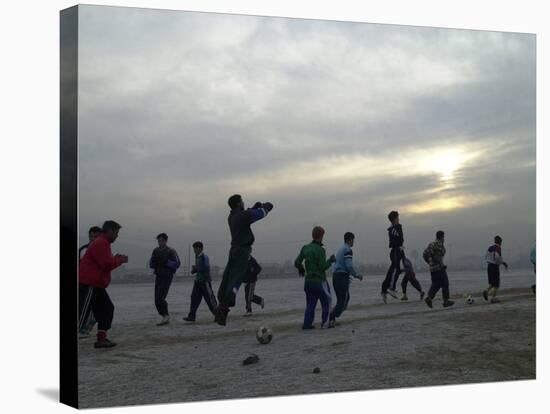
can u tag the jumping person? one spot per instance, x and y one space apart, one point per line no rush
433 255
202 286
316 286
342 276
94 278
494 260
410 276
250 280
88 320
395 234
242 238
164 261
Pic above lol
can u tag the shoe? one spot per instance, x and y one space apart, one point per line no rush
385 297
248 313
305 328
164 321
262 303
428 301
332 323
422 294
485 295
448 303
404 298
189 319
392 293
104 344
220 317
495 300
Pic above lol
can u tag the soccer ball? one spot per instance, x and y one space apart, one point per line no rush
469 300
264 335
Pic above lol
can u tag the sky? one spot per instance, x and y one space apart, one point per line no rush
335 123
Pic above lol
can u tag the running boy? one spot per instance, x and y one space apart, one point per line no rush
433 255
395 234
342 276
242 238
494 260
95 276
202 287
250 279
315 284
410 276
165 261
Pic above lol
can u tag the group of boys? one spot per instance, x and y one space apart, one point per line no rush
97 262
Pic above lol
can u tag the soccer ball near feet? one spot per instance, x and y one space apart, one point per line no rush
264 335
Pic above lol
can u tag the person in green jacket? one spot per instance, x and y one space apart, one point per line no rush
315 283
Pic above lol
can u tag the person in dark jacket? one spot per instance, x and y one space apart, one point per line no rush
433 255
88 321
94 277
395 234
164 261
202 287
242 238
410 276
250 280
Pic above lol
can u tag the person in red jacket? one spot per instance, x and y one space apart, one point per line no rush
94 276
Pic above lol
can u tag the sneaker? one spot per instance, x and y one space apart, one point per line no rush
104 344
385 297
220 317
332 323
485 295
164 321
305 328
422 294
262 303
189 319
404 298
448 303
392 293
248 313
495 300
428 301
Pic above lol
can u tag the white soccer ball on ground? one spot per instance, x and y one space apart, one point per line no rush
470 300
264 335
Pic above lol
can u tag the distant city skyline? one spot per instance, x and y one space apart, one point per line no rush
335 123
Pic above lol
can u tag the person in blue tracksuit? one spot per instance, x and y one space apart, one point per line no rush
342 276
202 287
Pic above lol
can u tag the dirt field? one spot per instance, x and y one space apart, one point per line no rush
373 346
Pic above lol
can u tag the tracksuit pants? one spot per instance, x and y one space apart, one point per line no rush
162 286
440 280
316 291
202 289
250 296
393 271
413 280
340 282
98 301
233 275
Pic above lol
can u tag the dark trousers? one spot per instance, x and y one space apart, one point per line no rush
162 286
250 296
340 282
440 280
235 271
97 300
408 278
395 268
493 275
316 291
202 289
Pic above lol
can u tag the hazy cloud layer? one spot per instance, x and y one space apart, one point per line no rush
336 123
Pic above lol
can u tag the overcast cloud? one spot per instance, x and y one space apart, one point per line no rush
335 123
